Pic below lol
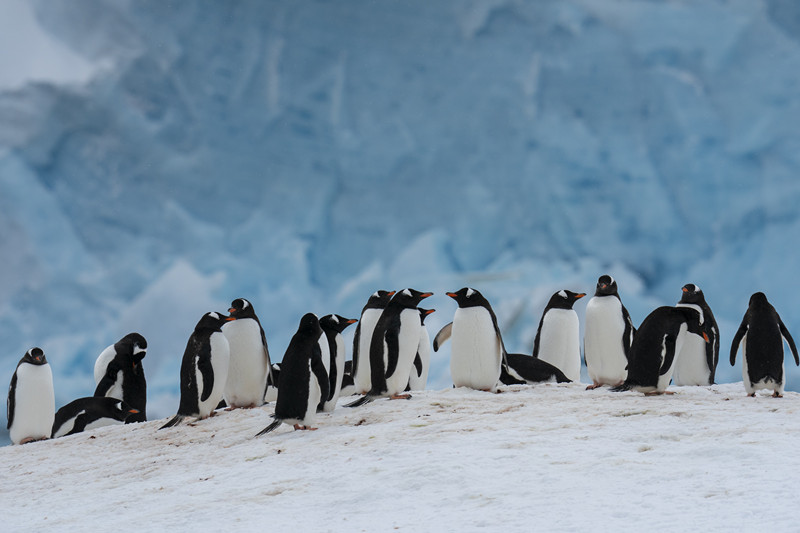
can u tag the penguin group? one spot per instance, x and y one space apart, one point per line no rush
226 363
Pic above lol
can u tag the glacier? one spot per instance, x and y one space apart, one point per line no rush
158 160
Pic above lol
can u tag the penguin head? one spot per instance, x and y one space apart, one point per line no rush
564 299
606 286
409 297
468 297
134 344
310 324
34 356
241 308
379 299
212 321
335 323
691 294
424 313
758 299
122 410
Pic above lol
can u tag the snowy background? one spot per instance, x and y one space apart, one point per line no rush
159 159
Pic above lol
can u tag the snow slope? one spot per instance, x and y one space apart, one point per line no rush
546 458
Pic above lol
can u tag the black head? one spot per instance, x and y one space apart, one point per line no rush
691 294
122 410
409 297
34 356
134 344
241 308
309 324
379 300
335 323
424 313
564 299
468 297
758 299
212 322
606 286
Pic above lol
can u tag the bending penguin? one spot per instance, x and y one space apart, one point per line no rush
655 345
31 399
89 413
249 369
393 346
362 376
520 368
119 374
422 361
204 369
608 336
761 335
697 361
303 379
332 328
558 338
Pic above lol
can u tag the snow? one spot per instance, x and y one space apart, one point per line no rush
550 457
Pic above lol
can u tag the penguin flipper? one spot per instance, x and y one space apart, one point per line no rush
361 401
109 378
737 339
442 336
207 371
789 340
177 419
11 402
271 427
318 368
356 342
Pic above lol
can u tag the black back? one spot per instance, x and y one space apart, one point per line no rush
197 356
134 384
563 299
692 295
764 346
302 358
242 308
333 325
94 408
378 300
34 356
530 369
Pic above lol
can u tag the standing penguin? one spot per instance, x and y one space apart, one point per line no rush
119 374
422 361
89 413
303 379
558 337
761 336
608 336
393 347
332 328
362 377
697 361
249 370
477 353
655 345
31 399
204 369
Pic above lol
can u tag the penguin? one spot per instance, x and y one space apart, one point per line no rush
348 385
272 389
362 377
249 370
118 373
521 368
657 341
89 413
332 328
761 336
393 347
303 380
558 338
422 361
31 399
608 335
697 362
204 369
477 352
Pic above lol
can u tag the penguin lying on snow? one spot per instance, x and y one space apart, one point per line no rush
521 368
89 413
761 336
697 362
31 399
119 374
608 336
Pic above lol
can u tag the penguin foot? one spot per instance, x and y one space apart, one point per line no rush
307 428
594 386
659 393
400 397
31 439
777 395
752 395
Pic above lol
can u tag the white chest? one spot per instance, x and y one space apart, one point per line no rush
559 342
476 351
35 405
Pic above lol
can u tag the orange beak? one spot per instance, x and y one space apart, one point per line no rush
231 310
425 294
452 295
352 321
391 293
580 295
706 337
685 289
133 411
429 311
230 318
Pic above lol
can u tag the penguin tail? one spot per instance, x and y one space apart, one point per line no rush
271 427
622 387
177 419
361 401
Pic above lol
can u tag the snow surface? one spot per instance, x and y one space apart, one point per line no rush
543 458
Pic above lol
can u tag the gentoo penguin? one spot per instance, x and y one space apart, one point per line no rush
393 346
657 341
477 351
521 368
204 369
760 336
249 367
348 385
422 361
89 413
697 361
608 335
31 400
119 374
303 380
332 328
558 338
362 377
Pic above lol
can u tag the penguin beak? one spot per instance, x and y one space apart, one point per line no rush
231 310
133 411
391 293
603 285
429 311
230 318
706 337
685 289
580 295
425 294
452 295
352 321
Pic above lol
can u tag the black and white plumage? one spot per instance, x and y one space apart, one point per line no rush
697 362
761 335
422 361
204 369
362 377
608 335
249 369
558 337
332 328
31 399
521 368
89 413
655 345
118 373
348 385
303 380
